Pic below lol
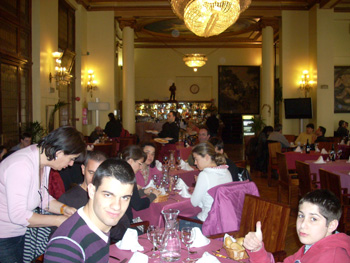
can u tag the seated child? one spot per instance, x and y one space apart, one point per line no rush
318 217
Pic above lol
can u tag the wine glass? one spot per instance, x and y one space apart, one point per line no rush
152 237
178 162
155 179
187 236
339 154
176 177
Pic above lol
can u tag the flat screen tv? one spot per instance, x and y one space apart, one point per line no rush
299 108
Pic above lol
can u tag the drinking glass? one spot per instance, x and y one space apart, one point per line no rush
178 163
165 160
176 177
155 179
152 237
187 236
339 154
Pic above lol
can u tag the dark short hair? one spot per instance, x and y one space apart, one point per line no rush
217 142
111 115
95 156
341 122
267 129
153 164
203 127
310 125
66 139
173 112
278 127
328 204
207 148
132 152
26 135
119 169
323 130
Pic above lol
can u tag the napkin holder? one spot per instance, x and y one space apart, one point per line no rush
233 251
161 198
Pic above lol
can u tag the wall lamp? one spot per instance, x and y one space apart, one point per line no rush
305 84
92 83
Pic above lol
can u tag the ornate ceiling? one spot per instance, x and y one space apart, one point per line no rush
157 26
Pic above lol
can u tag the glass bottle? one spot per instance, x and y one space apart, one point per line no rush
308 148
171 248
332 153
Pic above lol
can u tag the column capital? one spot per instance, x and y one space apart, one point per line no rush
127 22
269 21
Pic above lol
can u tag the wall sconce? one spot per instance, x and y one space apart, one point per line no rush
305 83
91 84
61 76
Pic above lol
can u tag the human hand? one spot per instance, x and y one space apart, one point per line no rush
68 211
156 192
253 240
148 190
139 187
60 219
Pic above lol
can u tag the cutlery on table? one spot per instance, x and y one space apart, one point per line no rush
124 260
114 257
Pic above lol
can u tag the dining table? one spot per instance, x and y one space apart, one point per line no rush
187 176
213 246
345 150
291 157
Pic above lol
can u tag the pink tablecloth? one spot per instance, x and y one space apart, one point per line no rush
183 151
186 176
213 245
291 157
345 151
153 213
334 167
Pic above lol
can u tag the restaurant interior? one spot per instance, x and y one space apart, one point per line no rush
72 62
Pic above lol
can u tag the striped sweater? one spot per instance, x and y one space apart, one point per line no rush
78 240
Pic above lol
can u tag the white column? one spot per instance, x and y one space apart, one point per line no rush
267 76
128 110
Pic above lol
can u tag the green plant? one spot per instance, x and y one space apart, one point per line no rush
257 124
57 106
36 130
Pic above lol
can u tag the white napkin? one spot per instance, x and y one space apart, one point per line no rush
162 190
150 184
298 150
159 165
320 160
185 166
342 142
323 151
138 257
232 238
180 184
208 258
200 240
292 144
130 241
184 193
317 150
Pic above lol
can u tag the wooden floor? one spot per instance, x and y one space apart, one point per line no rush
235 152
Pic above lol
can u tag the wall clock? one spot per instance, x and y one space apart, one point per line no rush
194 88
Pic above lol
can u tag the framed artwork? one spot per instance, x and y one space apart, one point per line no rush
341 89
239 89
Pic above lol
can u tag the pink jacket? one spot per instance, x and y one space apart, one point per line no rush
332 249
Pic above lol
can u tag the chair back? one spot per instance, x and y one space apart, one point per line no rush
274 218
327 146
226 211
274 147
282 169
324 183
126 141
331 182
305 182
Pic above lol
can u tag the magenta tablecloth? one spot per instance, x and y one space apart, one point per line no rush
344 178
186 176
183 151
213 245
291 157
153 213
334 167
345 151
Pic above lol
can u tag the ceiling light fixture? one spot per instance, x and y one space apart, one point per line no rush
195 60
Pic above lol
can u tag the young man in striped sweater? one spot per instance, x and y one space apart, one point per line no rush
84 237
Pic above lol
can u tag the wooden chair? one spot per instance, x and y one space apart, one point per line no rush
285 178
332 182
249 152
274 147
126 141
327 146
307 181
274 218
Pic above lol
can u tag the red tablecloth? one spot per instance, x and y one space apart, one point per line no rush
183 151
213 245
186 176
345 150
291 157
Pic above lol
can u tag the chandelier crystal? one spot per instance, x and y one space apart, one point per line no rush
195 60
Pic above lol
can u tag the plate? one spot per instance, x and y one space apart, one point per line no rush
152 131
160 140
168 138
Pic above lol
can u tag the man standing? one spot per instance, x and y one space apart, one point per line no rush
170 128
84 237
277 136
26 140
113 127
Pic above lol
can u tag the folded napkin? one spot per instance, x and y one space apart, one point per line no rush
292 144
138 257
185 166
200 240
180 184
150 184
323 151
317 150
320 160
298 150
130 241
159 165
208 258
184 193
162 190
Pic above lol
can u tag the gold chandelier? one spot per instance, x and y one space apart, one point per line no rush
195 60
207 18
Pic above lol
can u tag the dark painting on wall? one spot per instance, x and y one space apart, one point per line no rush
341 89
239 89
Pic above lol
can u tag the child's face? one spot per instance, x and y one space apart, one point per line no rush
311 225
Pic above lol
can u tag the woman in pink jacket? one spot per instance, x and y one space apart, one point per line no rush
318 218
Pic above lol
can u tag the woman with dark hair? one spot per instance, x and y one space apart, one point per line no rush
134 155
148 169
24 178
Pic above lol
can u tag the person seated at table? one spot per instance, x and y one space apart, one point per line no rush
148 169
320 133
96 134
262 151
342 131
308 135
113 127
134 155
203 136
219 148
26 140
84 237
277 136
213 172
318 218
170 129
